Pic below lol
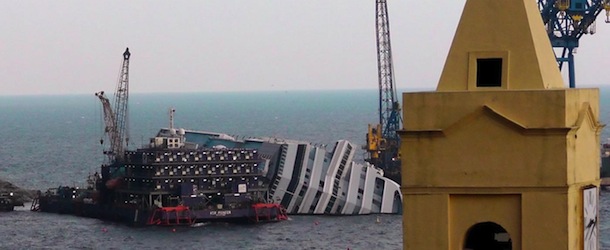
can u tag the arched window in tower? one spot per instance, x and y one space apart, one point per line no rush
487 236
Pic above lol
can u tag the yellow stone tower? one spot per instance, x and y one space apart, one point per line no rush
501 155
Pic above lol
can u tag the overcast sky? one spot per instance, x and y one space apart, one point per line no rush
75 47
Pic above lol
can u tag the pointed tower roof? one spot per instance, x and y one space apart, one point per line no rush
500 44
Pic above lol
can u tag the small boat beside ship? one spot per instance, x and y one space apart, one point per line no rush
8 202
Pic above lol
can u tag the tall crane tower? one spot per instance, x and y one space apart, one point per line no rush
382 140
566 22
115 121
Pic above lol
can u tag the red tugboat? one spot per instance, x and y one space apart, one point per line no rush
168 182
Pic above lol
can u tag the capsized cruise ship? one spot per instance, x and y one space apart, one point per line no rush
310 179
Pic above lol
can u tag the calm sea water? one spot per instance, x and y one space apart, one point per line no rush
49 141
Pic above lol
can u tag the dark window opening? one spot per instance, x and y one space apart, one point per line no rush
489 72
487 235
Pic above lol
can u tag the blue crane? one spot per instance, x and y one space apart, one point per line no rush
382 140
566 22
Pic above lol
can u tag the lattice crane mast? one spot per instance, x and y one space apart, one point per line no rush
382 140
566 22
115 121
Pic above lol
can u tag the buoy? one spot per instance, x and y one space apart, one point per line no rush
104 230
173 230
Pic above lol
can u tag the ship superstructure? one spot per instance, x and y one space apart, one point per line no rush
310 179
201 174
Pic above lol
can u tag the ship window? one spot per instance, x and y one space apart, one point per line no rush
489 72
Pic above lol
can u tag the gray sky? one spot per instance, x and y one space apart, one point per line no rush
74 47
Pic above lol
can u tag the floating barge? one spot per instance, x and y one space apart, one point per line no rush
171 182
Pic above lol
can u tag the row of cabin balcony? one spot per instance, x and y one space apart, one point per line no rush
203 185
193 170
251 179
201 158
196 156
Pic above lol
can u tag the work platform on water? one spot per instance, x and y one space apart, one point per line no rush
187 177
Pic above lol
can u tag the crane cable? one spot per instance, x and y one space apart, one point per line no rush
100 114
